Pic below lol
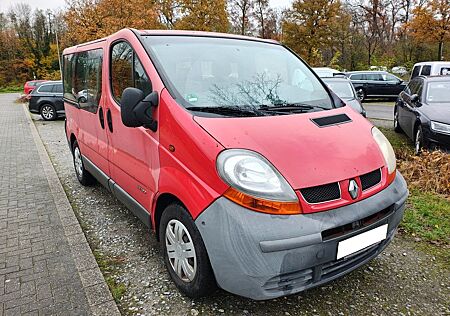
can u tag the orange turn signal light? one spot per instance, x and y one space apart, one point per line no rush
263 206
391 177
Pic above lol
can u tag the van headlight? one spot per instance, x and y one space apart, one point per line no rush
255 183
440 127
387 151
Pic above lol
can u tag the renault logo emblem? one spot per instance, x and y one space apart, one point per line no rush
353 189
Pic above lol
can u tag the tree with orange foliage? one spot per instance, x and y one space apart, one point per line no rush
91 19
203 15
431 23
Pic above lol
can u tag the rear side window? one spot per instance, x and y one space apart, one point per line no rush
374 77
415 72
426 70
58 88
46 88
127 71
445 71
83 78
357 77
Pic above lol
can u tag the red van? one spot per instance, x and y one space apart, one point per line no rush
254 175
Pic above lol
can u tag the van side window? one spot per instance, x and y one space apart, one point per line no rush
415 72
82 79
127 71
426 70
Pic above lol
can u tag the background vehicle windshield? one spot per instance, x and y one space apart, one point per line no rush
213 72
342 89
438 92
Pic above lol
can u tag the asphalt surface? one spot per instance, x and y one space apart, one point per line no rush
379 110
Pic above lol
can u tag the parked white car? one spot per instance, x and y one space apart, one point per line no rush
399 70
431 68
326 72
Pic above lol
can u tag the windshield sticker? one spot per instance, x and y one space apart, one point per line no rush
191 98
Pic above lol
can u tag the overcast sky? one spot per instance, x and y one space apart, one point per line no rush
60 4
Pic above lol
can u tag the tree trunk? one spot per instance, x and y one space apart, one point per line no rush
441 51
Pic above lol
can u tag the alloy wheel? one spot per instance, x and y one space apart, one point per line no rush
360 94
418 141
48 112
181 251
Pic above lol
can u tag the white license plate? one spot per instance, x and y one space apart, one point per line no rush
361 241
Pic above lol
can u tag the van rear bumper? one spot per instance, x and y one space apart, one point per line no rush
263 256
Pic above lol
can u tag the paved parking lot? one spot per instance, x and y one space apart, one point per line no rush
402 281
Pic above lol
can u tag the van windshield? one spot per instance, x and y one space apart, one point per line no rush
209 72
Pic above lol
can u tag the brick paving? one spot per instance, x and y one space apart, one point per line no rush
46 266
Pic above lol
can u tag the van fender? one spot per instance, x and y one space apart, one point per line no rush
190 190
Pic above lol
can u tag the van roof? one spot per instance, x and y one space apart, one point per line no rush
177 33
432 63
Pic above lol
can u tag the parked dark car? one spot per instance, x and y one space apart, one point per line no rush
422 111
47 100
344 89
376 84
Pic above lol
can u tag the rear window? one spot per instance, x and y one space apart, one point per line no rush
426 70
82 78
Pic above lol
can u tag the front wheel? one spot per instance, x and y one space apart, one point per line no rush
48 112
418 140
397 127
185 254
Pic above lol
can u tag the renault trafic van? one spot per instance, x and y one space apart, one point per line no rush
254 176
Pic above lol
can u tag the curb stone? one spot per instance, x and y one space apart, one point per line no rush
95 288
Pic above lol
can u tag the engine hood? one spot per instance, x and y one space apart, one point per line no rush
304 153
439 112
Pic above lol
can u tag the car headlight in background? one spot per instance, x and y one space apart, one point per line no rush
255 183
387 151
440 127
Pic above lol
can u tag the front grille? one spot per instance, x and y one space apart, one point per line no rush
356 225
370 179
322 193
331 120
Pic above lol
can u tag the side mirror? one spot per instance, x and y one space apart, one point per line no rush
414 98
400 81
136 110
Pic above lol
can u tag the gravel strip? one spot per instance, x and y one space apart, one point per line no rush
401 281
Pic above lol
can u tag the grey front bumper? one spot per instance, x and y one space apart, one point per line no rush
263 256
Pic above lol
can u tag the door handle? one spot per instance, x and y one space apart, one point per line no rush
109 120
101 118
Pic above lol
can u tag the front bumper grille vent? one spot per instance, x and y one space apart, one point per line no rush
370 179
322 193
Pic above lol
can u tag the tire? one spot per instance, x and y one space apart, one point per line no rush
83 175
361 94
397 127
48 112
199 279
418 140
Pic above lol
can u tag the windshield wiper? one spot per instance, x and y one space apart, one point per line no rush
292 107
227 110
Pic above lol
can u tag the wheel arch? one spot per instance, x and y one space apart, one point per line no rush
162 201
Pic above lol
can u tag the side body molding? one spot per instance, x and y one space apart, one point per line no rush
138 210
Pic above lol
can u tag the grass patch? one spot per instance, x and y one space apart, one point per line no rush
107 265
11 89
399 141
428 217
